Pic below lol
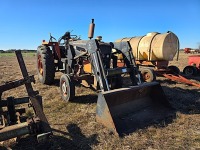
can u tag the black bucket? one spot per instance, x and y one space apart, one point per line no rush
128 109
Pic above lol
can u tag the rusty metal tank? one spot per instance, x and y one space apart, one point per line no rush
154 46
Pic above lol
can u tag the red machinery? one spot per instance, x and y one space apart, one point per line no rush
193 67
187 50
170 72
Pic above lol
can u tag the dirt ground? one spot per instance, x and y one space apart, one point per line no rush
74 125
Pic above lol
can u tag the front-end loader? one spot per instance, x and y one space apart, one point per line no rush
93 64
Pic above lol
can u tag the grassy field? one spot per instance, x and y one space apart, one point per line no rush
13 54
74 125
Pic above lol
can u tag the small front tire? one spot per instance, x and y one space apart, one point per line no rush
67 88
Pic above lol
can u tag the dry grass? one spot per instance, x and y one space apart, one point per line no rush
74 123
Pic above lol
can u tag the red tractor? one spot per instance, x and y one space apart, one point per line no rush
193 67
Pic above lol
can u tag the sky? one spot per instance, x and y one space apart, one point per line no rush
25 23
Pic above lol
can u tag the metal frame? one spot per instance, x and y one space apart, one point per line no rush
14 128
160 68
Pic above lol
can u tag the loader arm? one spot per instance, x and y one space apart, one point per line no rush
92 49
125 49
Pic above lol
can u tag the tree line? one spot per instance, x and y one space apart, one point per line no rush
13 50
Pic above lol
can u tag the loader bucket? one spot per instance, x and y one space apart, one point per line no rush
127 109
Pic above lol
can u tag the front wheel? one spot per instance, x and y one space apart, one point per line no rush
67 88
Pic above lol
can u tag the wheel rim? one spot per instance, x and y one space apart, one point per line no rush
146 76
64 88
40 66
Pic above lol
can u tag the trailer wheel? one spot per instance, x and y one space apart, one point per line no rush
174 69
190 70
67 88
148 75
45 65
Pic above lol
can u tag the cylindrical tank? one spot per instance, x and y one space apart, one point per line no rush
154 46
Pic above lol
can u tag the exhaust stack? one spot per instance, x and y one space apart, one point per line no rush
91 30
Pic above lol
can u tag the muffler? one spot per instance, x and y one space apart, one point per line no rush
125 110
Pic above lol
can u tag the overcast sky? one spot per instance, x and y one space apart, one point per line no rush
25 23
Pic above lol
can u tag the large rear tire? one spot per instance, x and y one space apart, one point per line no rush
45 65
67 88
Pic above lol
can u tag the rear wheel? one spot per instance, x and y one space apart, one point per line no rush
148 75
45 65
190 70
174 69
67 88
